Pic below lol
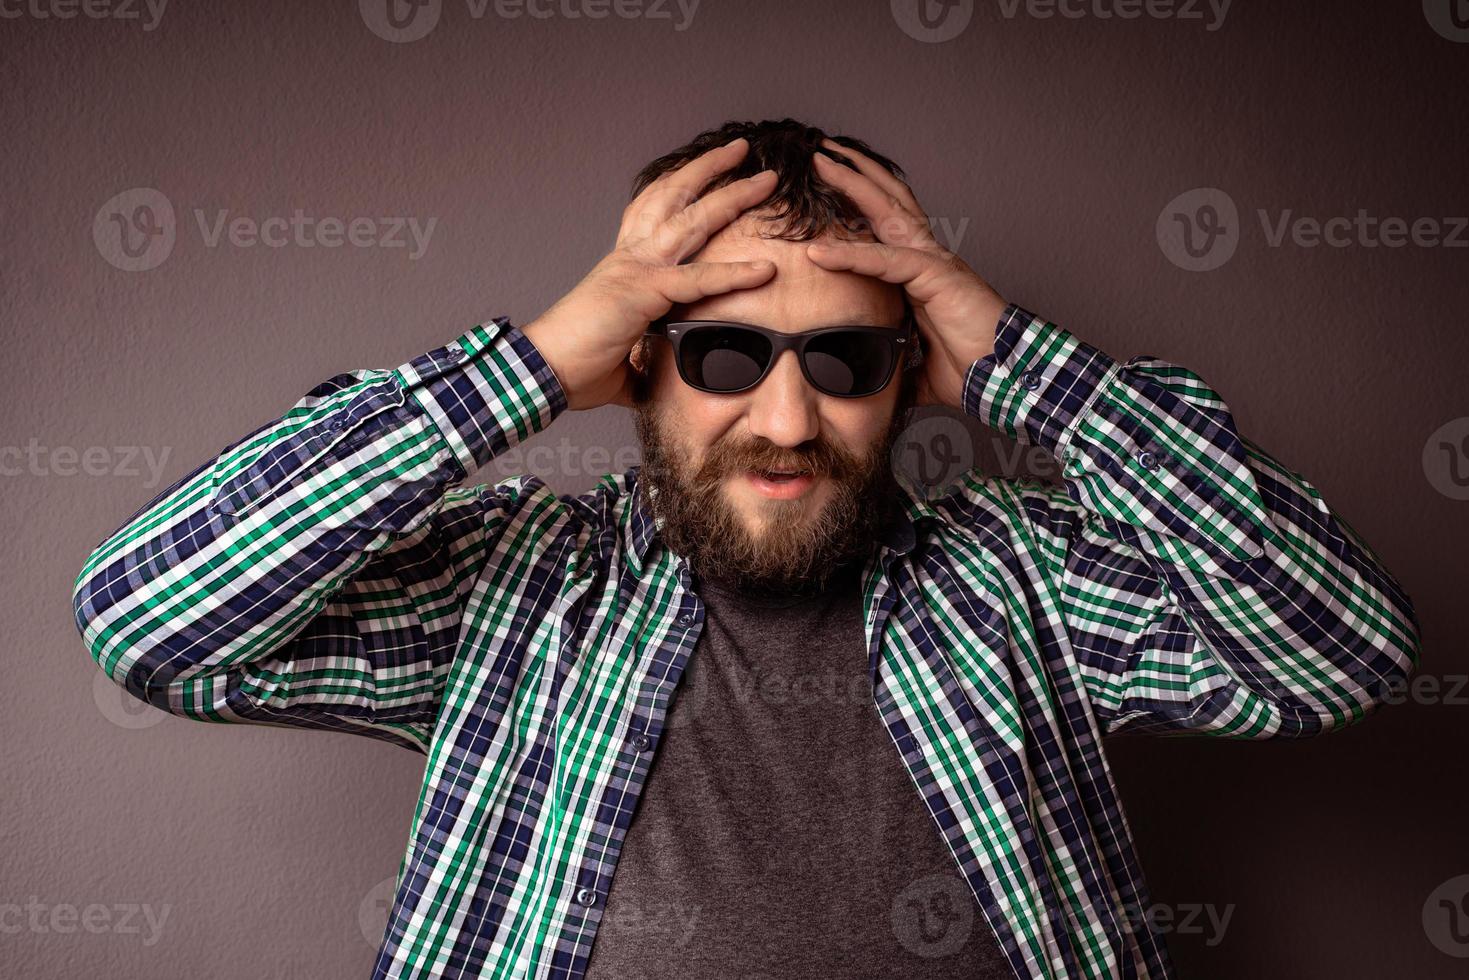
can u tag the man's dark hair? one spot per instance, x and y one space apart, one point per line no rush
801 208
802 205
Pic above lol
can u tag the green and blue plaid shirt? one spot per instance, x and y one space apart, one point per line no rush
328 571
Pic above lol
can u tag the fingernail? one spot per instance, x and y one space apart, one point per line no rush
737 139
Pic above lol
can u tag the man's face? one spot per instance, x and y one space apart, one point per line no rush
704 453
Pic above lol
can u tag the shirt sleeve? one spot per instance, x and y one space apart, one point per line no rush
315 572
1204 586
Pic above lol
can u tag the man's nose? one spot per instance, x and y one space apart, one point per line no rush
783 405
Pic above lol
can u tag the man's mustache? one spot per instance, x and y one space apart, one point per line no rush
822 459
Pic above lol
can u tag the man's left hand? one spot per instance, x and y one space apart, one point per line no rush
956 310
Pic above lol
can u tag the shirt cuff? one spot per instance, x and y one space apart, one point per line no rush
1145 445
486 391
1039 382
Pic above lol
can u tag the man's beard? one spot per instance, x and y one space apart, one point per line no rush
796 552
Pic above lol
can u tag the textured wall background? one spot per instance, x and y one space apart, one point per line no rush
1051 147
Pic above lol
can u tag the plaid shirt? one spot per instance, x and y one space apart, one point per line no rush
327 571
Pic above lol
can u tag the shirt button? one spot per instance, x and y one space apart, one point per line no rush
1030 381
587 897
454 351
1147 460
642 742
685 619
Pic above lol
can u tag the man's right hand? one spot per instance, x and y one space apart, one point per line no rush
587 335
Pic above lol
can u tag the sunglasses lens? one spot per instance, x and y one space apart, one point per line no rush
723 358
849 362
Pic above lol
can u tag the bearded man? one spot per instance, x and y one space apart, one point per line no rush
758 707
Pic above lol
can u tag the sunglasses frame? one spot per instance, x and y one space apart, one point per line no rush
902 338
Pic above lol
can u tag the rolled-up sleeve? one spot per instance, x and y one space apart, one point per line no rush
314 573
1205 586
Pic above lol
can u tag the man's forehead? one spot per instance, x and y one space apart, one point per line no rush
757 238
800 291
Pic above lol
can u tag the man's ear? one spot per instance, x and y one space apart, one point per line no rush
915 353
638 357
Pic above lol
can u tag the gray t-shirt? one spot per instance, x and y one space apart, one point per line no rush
779 833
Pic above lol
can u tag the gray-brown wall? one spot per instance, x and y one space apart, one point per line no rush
1050 146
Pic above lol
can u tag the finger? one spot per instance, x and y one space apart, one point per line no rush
698 280
878 174
917 271
686 232
678 188
891 221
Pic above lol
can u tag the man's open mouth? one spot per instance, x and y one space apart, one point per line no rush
780 484
780 476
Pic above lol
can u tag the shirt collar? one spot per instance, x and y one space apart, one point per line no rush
641 527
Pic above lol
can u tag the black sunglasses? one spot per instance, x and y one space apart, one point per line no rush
723 357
